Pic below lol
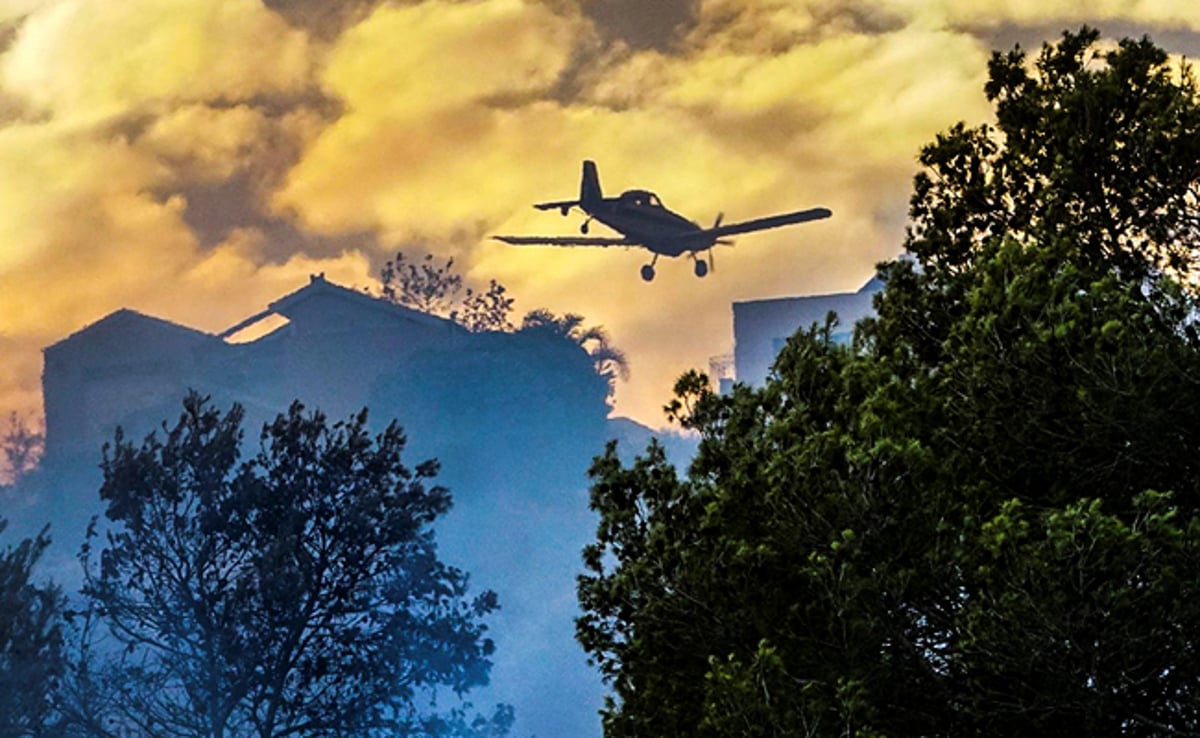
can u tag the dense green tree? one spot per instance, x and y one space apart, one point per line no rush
31 642
983 516
295 593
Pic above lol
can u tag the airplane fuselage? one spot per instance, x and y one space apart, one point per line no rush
641 217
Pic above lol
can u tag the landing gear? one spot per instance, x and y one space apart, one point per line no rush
648 269
701 267
583 228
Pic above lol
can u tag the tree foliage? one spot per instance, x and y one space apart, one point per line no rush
31 642
1100 149
610 362
22 447
434 289
981 518
423 285
485 311
429 288
294 593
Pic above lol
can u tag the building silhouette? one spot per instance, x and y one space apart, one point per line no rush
331 347
514 418
762 327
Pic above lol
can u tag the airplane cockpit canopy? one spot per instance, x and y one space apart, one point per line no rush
641 197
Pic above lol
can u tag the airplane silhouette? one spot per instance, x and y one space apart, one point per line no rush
642 220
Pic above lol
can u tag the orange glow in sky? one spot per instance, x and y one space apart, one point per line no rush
196 159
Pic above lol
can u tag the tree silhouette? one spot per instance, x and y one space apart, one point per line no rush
422 286
295 593
485 311
23 447
609 361
434 289
31 642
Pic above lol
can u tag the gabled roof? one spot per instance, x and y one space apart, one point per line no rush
122 320
319 287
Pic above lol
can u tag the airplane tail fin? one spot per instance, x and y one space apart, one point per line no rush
589 186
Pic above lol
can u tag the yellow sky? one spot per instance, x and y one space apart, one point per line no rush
195 159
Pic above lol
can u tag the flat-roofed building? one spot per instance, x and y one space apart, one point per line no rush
762 327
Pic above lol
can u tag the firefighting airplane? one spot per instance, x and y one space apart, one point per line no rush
639 216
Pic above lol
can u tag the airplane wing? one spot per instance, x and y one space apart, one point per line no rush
762 224
565 241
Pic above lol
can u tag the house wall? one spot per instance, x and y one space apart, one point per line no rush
336 350
126 364
762 327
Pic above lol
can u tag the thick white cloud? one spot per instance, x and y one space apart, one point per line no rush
56 183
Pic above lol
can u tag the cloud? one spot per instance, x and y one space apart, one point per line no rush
431 123
226 162
205 144
95 58
56 184
642 25
198 158
125 109
11 10
1164 13
321 18
746 121
451 165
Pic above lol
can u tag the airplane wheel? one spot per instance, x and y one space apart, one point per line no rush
583 228
647 272
701 267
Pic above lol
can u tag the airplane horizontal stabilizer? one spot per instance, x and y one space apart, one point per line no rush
563 205
565 241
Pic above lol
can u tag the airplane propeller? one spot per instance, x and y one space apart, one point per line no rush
712 259
717 224
701 265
